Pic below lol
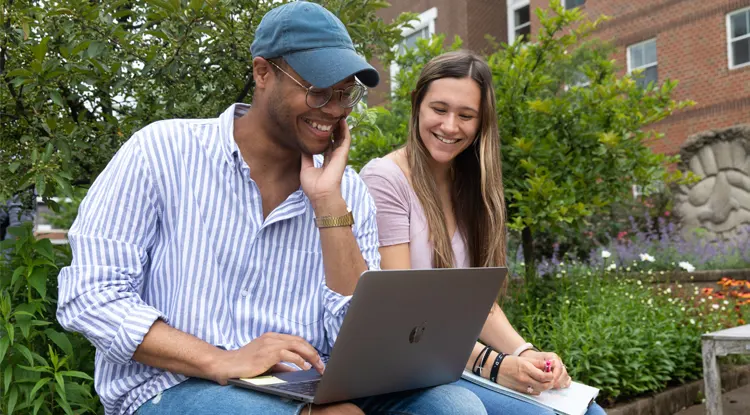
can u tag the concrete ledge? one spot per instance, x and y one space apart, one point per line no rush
677 398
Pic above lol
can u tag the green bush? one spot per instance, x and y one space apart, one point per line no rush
621 335
44 369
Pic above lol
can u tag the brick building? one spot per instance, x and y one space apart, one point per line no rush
472 20
705 44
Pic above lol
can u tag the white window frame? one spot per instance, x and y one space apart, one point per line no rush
730 56
562 2
644 67
514 5
426 20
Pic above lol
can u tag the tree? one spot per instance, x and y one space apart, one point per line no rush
78 78
570 149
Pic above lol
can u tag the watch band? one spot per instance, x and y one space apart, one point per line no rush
334 221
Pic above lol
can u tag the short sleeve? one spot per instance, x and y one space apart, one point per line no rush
390 191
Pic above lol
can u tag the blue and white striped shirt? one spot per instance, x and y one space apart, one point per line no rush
173 228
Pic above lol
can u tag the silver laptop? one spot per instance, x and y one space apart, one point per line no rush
405 329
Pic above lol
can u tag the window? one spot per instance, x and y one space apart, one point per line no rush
572 4
423 29
578 79
519 19
738 38
643 56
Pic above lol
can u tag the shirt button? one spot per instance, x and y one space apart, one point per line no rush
244 293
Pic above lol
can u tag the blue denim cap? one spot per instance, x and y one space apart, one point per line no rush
313 42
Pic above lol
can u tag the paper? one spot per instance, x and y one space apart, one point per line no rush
263 380
573 400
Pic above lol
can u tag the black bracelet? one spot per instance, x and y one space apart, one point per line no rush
478 369
496 366
484 360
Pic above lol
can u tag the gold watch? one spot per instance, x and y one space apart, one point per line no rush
333 221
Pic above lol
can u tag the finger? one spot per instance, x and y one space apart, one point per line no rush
558 369
280 367
291 357
340 154
307 162
304 349
536 372
328 153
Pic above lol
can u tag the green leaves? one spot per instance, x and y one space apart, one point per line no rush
60 340
41 371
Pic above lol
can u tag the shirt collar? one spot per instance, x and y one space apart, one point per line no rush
226 132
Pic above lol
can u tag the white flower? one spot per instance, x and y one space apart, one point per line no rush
726 302
686 266
692 321
612 267
606 254
715 306
647 257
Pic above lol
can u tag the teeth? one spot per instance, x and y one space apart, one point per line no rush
446 141
321 127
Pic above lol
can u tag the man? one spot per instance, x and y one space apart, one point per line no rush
196 252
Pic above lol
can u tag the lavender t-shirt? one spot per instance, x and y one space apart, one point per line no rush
400 216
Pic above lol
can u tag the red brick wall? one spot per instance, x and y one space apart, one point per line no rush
691 44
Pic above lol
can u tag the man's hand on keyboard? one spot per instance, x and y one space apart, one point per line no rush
264 353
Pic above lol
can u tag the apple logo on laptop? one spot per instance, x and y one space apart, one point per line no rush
416 333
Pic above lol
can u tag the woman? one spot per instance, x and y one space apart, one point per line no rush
440 204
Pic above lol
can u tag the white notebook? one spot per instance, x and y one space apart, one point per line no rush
574 400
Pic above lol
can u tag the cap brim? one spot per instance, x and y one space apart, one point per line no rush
328 66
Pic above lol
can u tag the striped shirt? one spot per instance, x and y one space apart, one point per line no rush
173 228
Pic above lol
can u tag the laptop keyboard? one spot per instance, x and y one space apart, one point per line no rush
302 388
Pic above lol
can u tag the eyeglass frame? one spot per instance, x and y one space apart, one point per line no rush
308 88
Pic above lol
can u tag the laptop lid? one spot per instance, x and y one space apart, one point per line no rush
408 329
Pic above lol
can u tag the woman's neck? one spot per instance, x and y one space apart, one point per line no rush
442 172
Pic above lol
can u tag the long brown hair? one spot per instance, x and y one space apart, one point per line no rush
478 202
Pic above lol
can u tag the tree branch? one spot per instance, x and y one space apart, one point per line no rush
248 85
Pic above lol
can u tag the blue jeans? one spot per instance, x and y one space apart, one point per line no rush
499 404
201 397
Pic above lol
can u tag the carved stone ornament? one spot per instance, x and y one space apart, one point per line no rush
720 201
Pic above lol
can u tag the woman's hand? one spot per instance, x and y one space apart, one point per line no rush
524 375
561 378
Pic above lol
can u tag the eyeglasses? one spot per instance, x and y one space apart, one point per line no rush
319 97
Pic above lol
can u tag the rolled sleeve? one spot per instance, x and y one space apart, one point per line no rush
131 333
100 292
